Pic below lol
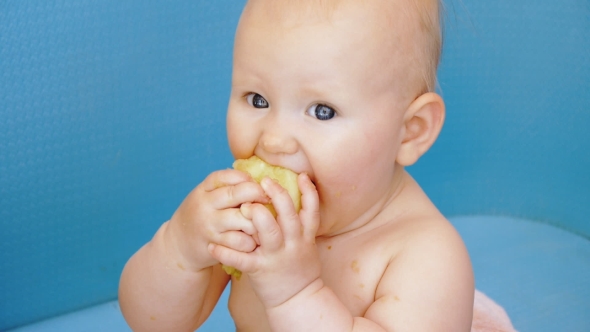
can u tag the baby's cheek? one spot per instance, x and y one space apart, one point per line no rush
337 186
240 140
350 184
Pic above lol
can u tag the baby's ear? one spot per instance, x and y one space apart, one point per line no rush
423 122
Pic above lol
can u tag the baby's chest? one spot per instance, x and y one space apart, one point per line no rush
352 275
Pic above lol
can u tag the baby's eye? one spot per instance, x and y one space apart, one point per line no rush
257 101
321 112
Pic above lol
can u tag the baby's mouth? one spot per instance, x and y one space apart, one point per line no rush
276 163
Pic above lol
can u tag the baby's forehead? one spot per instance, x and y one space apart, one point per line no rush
401 20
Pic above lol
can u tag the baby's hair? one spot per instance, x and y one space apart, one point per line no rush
431 24
429 48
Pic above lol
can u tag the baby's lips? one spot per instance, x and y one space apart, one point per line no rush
281 162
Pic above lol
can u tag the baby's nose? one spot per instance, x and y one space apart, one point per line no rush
278 140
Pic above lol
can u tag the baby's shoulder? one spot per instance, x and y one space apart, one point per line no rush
412 261
429 253
430 235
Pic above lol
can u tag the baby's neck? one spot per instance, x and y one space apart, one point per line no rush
386 210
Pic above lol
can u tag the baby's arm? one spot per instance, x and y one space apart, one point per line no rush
158 293
428 287
172 283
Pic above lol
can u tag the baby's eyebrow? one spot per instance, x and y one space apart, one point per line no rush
245 87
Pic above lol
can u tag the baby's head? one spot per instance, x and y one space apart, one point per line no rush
408 30
340 89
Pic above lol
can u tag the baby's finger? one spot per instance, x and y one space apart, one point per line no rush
242 261
235 195
234 220
227 177
269 233
246 210
237 240
256 239
310 207
287 217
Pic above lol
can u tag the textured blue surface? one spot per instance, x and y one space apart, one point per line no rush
110 112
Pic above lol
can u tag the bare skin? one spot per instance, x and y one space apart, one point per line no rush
334 99
364 270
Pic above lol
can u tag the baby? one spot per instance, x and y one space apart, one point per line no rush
341 92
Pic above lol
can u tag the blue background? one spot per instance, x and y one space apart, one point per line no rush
111 112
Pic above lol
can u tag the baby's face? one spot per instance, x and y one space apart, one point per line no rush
321 93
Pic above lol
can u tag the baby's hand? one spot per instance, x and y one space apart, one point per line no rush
211 214
287 260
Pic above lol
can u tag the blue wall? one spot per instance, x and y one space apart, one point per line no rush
111 112
516 79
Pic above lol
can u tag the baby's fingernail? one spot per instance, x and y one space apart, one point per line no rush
307 178
245 210
265 183
211 247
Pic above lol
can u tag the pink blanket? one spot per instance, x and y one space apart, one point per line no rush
489 316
